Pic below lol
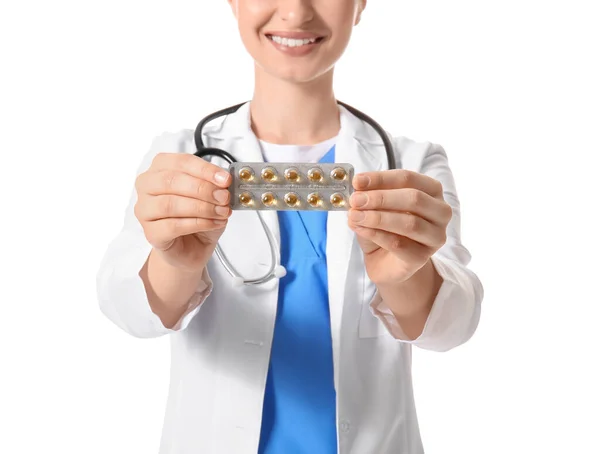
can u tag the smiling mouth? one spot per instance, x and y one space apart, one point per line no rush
293 42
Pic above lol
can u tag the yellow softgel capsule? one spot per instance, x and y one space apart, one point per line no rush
337 200
314 200
338 174
269 174
246 174
268 199
292 175
315 175
291 199
246 199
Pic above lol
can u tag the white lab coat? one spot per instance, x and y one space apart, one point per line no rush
220 350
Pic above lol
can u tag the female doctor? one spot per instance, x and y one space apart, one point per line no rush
318 361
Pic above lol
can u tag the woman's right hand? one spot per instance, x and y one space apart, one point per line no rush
183 207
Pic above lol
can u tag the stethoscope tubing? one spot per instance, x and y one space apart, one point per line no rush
275 270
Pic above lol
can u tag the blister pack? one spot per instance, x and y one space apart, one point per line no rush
291 186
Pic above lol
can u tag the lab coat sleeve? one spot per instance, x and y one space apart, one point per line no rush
456 309
120 289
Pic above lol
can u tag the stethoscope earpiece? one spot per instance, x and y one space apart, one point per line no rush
237 281
279 271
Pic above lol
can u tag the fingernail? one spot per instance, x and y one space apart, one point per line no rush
362 181
221 177
221 195
220 221
222 211
356 216
359 199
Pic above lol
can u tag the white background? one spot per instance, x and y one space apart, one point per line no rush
509 88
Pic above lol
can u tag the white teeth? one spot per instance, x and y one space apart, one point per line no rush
292 42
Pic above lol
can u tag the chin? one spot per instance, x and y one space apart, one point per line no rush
297 74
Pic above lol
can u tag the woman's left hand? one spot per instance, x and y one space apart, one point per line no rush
400 218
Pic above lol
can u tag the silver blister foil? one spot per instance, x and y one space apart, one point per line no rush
291 186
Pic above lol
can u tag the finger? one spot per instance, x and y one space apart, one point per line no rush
162 232
408 200
179 183
408 249
172 206
405 224
192 165
397 179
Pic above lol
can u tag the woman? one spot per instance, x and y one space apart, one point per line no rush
319 360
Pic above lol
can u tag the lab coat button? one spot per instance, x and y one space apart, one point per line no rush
344 425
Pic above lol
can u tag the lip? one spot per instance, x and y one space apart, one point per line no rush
299 51
294 35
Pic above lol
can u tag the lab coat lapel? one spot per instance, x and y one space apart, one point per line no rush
357 146
236 132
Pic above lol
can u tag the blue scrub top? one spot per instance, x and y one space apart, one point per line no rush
299 411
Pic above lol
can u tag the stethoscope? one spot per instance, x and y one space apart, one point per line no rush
276 271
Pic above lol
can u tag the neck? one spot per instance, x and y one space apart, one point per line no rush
290 113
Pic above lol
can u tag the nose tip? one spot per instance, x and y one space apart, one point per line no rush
296 11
